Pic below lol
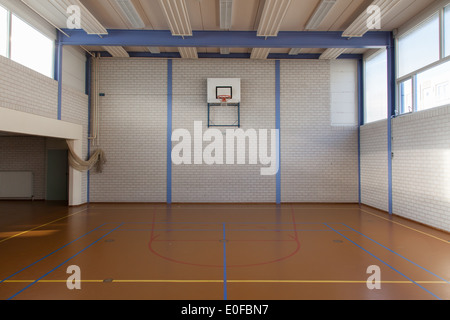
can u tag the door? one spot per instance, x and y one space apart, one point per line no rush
57 175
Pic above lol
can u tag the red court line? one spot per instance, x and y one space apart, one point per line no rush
154 238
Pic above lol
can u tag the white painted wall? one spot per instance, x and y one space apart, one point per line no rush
319 161
374 165
421 167
133 126
74 68
344 92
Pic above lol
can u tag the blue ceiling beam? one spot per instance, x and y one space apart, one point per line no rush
228 39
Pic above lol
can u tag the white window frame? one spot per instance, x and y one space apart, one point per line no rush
45 34
413 75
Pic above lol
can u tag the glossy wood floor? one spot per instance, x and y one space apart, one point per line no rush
217 252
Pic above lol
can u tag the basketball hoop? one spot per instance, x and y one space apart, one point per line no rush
224 99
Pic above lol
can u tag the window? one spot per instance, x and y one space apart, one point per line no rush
406 96
376 100
424 65
447 30
30 47
420 47
433 87
3 31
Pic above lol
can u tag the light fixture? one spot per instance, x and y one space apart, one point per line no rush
332 53
226 8
319 14
57 13
188 52
260 53
177 16
117 52
128 12
295 51
360 26
154 50
273 14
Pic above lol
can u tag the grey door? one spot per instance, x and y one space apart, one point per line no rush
57 175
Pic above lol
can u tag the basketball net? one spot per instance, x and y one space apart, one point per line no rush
224 100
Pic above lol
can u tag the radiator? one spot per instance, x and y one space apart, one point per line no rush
16 185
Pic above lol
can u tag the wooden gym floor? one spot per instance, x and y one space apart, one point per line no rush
217 252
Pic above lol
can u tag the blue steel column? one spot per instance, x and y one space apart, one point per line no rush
278 126
58 71
391 110
169 131
360 119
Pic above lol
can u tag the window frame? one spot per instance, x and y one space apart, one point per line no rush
365 60
10 14
8 31
413 75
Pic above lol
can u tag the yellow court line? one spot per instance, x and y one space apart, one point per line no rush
43 225
427 234
237 281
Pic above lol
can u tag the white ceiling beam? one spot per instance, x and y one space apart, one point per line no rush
260 53
272 16
332 53
226 14
128 12
295 51
58 14
117 52
154 50
319 14
177 17
376 10
188 52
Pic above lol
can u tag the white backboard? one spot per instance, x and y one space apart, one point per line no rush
224 86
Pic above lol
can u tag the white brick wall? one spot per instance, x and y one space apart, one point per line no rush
75 110
421 167
374 165
25 90
23 153
223 183
28 91
133 125
318 161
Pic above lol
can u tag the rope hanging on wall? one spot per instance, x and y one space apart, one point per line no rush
96 161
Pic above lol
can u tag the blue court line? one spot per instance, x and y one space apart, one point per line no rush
225 294
398 254
37 280
48 255
384 262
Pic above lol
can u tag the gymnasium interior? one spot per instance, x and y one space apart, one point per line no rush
191 150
